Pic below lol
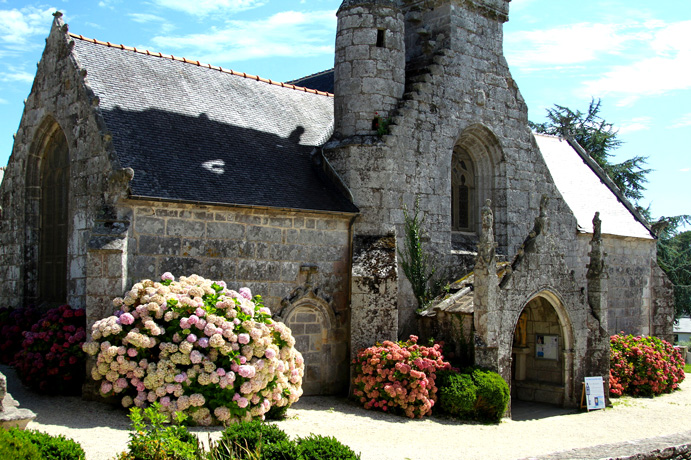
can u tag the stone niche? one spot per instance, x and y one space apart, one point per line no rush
318 336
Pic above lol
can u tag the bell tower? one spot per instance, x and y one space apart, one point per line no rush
369 68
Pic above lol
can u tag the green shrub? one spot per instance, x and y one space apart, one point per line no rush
492 395
283 450
17 448
316 447
51 447
157 441
474 393
242 440
457 394
277 413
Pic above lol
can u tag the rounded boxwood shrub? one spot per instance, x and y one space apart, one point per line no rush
241 440
17 448
196 347
51 359
283 450
32 444
492 395
457 394
474 393
643 366
51 447
317 447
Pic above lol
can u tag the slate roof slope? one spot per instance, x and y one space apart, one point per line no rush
197 134
585 191
321 81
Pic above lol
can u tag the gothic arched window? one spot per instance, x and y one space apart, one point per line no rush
463 207
54 183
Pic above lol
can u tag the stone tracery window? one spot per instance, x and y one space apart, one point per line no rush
463 202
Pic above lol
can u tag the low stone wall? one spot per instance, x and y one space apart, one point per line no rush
672 447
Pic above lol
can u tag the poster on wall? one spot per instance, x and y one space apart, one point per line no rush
547 346
594 393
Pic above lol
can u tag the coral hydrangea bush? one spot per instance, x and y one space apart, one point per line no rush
51 359
398 377
643 366
196 347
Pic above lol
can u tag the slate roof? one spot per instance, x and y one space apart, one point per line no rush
586 189
195 133
321 81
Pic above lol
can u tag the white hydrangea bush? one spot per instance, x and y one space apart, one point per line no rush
196 347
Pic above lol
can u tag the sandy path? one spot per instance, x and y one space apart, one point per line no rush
103 431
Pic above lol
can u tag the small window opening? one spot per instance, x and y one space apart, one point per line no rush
380 38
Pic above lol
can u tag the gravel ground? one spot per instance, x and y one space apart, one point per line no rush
535 431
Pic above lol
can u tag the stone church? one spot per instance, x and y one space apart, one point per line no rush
129 163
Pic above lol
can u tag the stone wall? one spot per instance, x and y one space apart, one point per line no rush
60 99
637 300
261 249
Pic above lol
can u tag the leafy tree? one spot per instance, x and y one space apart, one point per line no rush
599 139
674 257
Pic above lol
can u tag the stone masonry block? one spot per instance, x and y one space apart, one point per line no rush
256 233
220 230
150 225
189 228
158 245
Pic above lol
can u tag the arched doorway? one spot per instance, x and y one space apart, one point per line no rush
541 369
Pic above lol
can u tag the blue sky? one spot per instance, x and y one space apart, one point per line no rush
633 54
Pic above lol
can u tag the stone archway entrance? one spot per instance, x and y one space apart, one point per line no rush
542 353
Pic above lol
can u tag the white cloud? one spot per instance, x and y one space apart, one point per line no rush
625 61
145 17
3 101
287 33
647 77
683 122
206 7
685 169
16 75
636 124
660 66
17 26
570 45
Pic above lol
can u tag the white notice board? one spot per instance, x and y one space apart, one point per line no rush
595 392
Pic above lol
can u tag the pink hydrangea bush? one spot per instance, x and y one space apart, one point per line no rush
643 366
398 377
51 358
196 347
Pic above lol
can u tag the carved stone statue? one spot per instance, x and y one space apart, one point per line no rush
486 247
596 267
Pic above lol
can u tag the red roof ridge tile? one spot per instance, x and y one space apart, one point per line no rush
197 63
